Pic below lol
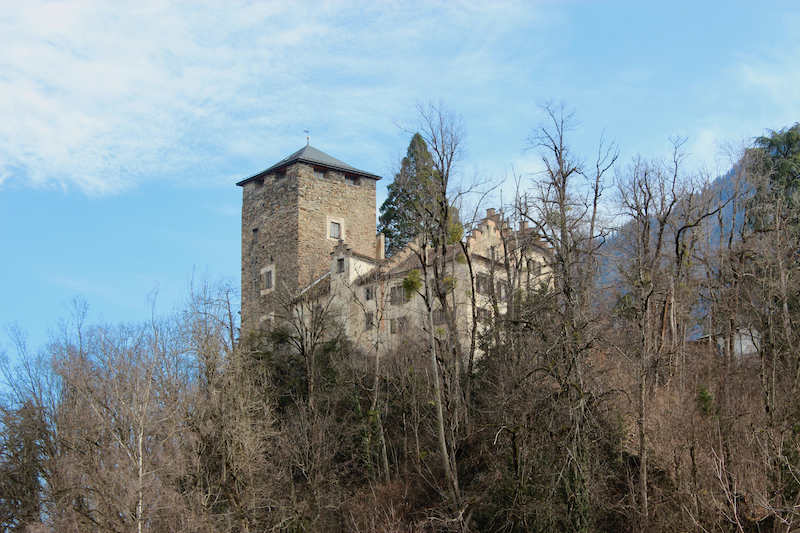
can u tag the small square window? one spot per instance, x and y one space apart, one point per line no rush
483 284
336 230
351 180
266 322
501 290
319 173
398 325
267 279
340 265
397 295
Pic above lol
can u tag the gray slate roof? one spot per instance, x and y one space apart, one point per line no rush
309 154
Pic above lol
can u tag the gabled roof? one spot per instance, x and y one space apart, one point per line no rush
406 260
309 154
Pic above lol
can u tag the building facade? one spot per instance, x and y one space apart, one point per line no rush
293 215
378 314
309 248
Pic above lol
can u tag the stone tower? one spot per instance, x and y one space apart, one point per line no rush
293 215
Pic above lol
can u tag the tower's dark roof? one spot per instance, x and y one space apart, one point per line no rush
309 154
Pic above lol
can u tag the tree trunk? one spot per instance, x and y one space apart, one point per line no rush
452 482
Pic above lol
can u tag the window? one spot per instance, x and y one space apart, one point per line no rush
351 180
340 265
334 228
369 294
369 320
484 315
483 285
319 173
438 317
267 279
502 290
397 295
255 236
398 325
266 322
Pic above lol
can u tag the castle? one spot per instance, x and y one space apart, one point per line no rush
309 222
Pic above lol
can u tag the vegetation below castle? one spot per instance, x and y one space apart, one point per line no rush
593 404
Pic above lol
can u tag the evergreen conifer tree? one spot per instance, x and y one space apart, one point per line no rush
399 220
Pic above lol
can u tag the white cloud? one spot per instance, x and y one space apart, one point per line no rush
101 96
770 76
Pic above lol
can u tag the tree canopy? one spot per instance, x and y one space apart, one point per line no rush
398 220
559 386
782 151
774 167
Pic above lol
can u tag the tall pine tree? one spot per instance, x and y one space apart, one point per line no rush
399 220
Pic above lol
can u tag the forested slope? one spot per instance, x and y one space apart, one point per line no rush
587 406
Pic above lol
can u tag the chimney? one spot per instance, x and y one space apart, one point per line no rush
523 225
380 246
490 213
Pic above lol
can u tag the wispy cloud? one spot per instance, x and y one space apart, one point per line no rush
100 96
770 75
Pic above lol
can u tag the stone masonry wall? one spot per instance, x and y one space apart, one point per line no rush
292 213
270 206
338 199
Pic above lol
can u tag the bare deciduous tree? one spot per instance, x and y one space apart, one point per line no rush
563 210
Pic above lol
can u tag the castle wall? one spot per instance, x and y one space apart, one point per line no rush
271 208
292 212
332 198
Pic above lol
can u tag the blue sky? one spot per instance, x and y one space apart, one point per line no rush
124 126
